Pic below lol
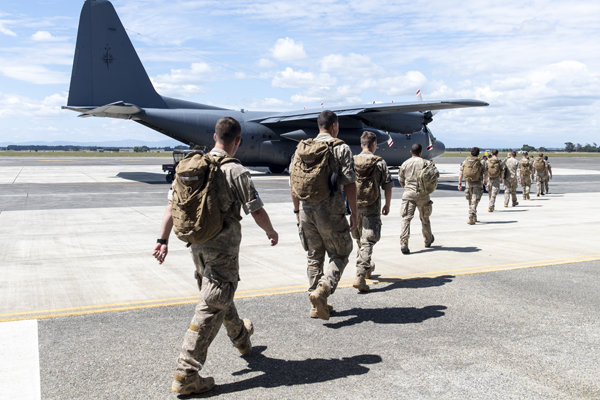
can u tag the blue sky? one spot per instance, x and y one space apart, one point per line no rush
536 62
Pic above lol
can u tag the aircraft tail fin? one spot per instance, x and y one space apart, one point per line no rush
106 67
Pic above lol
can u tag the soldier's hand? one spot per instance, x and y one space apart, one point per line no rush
274 237
459 187
160 252
353 222
385 210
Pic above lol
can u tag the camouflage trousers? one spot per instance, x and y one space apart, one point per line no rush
546 183
540 183
473 195
526 185
493 188
323 231
407 212
215 308
367 234
510 190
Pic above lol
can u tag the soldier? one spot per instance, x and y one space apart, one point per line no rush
541 173
372 173
525 175
495 172
474 170
322 220
217 266
412 199
511 166
549 176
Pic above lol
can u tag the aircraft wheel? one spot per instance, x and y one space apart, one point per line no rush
169 177
277 169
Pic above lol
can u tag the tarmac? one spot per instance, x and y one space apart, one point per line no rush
469 317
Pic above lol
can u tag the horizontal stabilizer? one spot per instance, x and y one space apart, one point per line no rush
114 110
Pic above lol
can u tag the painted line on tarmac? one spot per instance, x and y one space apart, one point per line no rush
138 305
20 366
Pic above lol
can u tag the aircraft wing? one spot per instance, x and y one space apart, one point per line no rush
388 108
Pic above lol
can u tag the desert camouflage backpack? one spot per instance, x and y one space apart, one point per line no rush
367 185
494 167
525 167
198 214
311 170
472 169
539 164
427 178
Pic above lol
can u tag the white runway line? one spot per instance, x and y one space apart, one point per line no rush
19 360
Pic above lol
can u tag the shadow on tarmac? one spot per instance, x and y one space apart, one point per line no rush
392 315
276 372
414 283
470 249
144 177
498 222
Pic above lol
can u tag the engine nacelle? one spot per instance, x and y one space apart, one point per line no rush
401 123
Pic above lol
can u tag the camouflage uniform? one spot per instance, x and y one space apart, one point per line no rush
324 226
540 178
493 186
526 178
547 180
511 166
217 272
411 200
474 190
368 231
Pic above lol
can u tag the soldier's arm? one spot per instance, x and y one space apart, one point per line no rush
387 185
388 200
350 190
296 203
262 220
160 250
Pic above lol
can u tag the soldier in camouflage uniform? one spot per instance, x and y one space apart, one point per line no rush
541 176
549 175
368 231
473 189
493 186
413 200
323 224
525 175
511 166
217 267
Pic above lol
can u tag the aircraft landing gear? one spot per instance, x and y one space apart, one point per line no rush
277 169
169 177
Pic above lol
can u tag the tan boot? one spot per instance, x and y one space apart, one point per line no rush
246 347
192 384
318 298
313 310
361 284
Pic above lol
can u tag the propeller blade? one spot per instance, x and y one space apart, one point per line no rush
428 138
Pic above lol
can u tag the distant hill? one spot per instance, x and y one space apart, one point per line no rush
112 143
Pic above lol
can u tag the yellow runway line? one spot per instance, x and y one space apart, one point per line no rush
138 305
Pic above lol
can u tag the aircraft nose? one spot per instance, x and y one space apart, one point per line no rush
439 148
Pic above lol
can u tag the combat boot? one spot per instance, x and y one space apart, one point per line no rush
524 196
361 284
490 209
528 196
313 310
370 271
246 347
318 298
428 245
471 221
192 384
404 248
516 203
506 205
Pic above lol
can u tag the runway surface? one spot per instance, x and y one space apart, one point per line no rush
78 234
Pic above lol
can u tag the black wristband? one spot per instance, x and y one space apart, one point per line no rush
161 241
296 211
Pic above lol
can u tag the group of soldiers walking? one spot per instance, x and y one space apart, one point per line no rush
492 172
326 180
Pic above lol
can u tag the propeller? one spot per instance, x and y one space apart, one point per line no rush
427 118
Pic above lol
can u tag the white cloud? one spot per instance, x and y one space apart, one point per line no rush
299 79
45 36
240 75
12 105
288 50
268 102
265 63
37 74
355 65
184 82
5 30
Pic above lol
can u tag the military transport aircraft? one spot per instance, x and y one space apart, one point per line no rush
109 80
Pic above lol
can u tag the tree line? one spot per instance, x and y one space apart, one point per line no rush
569 148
